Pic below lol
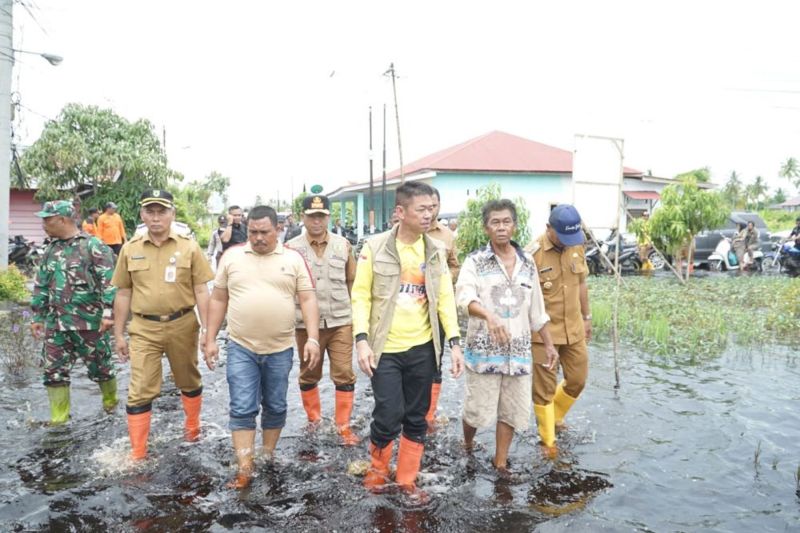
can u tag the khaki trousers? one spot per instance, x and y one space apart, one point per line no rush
338 343
150 340
574 361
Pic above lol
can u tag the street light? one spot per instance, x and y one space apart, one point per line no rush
53 59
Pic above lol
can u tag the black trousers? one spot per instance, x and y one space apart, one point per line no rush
402 389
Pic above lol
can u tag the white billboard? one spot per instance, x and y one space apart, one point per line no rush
597 181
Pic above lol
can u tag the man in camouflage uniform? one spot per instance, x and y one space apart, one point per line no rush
72 306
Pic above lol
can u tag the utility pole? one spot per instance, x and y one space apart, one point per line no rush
397 121
371 190
6 65
383 179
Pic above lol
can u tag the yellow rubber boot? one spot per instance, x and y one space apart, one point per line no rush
59 403
563 403
545 419
109 391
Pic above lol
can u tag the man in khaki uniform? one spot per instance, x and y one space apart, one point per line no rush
441 233
160 277
559 256
333 267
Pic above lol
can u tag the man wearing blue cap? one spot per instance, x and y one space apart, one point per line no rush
559 256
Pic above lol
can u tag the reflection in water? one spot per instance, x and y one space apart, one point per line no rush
563 491
674 437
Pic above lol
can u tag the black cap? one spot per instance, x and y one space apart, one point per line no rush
156 196
316 203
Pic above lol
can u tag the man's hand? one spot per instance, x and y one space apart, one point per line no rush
366 358
587 330
106 324
211 353
229 219
37 330
121 347
311 354
552 357
456 361
497 331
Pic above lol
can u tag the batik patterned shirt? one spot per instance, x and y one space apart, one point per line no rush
516 299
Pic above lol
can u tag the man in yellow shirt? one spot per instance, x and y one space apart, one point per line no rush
111 229
402 296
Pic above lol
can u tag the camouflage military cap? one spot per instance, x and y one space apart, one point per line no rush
60 208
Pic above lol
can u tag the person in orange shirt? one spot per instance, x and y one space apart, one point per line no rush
111 229
89 225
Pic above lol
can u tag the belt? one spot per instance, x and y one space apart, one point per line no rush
166 318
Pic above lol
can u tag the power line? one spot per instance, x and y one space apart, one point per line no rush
25 6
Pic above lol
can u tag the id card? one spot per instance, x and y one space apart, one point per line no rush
170 273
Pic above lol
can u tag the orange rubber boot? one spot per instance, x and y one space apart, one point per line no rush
191 408
138 431
344 406
436 388
311 404
378 473
409 458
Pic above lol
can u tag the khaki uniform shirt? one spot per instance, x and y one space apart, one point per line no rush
445 235
146 268
560 276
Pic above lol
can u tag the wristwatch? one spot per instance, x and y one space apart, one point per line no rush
587 317
454 341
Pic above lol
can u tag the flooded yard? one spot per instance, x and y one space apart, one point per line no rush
682 446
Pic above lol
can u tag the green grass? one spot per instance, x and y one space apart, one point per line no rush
701 319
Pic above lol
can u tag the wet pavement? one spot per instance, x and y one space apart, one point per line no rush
680 447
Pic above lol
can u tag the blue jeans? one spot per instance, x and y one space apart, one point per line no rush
255 379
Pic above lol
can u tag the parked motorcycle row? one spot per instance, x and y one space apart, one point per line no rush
783 258
25 254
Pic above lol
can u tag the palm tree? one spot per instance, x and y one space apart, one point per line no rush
759 190
732 191
790 169
779 197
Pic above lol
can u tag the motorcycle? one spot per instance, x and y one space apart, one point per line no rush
786 258
724 258
24 254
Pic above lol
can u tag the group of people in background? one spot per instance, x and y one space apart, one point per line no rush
395 305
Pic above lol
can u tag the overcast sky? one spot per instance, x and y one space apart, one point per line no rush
275 94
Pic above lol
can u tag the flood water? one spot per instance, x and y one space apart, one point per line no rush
702 447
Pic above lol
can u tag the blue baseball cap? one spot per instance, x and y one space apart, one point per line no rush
566 222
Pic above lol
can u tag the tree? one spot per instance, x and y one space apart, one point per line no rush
215 182
701 175
732 192
754 192
685 211
779 197
470 221
297 205
87 145
790 169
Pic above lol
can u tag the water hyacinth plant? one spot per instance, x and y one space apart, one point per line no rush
699 320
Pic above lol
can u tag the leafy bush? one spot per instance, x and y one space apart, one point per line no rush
12 285
471 235
778 219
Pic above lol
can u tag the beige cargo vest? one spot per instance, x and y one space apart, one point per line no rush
329 273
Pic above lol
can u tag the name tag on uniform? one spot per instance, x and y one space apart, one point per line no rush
545 269
170 273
